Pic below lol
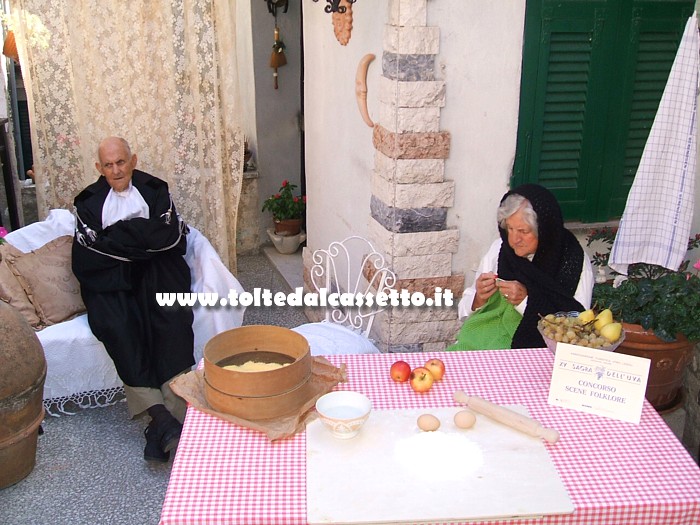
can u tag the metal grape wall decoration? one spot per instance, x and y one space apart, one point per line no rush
341 14
342 23
274 5
337 6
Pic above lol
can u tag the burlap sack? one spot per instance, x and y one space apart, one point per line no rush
324 377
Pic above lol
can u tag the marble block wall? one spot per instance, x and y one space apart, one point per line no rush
410 196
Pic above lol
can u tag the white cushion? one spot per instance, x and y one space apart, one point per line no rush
33 236
333 339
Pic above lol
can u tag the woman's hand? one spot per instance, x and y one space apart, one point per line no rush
485 286
514 291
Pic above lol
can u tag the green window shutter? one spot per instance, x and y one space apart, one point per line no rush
649 35
593 74
559 115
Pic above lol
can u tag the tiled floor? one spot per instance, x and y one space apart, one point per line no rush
89 468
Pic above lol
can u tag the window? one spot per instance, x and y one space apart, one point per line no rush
592 77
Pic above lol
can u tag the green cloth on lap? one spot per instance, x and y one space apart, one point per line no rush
489 328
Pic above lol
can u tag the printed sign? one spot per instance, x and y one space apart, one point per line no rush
599 382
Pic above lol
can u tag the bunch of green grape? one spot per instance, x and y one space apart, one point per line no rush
566 329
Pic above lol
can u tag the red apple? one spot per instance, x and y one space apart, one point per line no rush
436 367
421 379
400 371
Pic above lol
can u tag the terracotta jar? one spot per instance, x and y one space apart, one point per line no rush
9 47
668 362
22 376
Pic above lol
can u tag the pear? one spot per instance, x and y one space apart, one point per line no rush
611 331
586 316
603 318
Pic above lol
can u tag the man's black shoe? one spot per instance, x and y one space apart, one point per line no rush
153 450
169 433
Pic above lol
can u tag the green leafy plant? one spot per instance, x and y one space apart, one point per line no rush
284 204
662 300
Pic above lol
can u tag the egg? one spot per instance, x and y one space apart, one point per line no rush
465 419
428 422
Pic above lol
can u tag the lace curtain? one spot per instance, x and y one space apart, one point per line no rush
161 74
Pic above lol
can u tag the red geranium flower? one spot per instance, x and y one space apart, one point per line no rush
285 205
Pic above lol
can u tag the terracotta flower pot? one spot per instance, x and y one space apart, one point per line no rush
287 226
668 362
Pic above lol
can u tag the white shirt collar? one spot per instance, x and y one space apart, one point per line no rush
123 205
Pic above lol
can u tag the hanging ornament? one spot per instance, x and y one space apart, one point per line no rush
278 59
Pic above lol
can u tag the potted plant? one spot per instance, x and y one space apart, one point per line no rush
660 313
287 209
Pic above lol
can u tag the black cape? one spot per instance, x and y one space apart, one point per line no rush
120 268
551 278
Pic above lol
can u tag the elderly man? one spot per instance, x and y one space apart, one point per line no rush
129 244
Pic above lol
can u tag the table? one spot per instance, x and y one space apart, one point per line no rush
615 472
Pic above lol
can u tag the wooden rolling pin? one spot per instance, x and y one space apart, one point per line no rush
508 417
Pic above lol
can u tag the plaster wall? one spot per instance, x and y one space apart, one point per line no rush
479 59
480 62
339 150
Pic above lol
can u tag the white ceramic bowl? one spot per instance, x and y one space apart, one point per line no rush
343 412
552 344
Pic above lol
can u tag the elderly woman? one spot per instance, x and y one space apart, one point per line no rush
537 266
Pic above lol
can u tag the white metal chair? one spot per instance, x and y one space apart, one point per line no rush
351 268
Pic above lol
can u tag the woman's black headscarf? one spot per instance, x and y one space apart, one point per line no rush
552 277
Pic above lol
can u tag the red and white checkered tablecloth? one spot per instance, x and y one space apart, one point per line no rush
615 472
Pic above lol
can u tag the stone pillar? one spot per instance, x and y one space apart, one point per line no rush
29 208
247 238
410 196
